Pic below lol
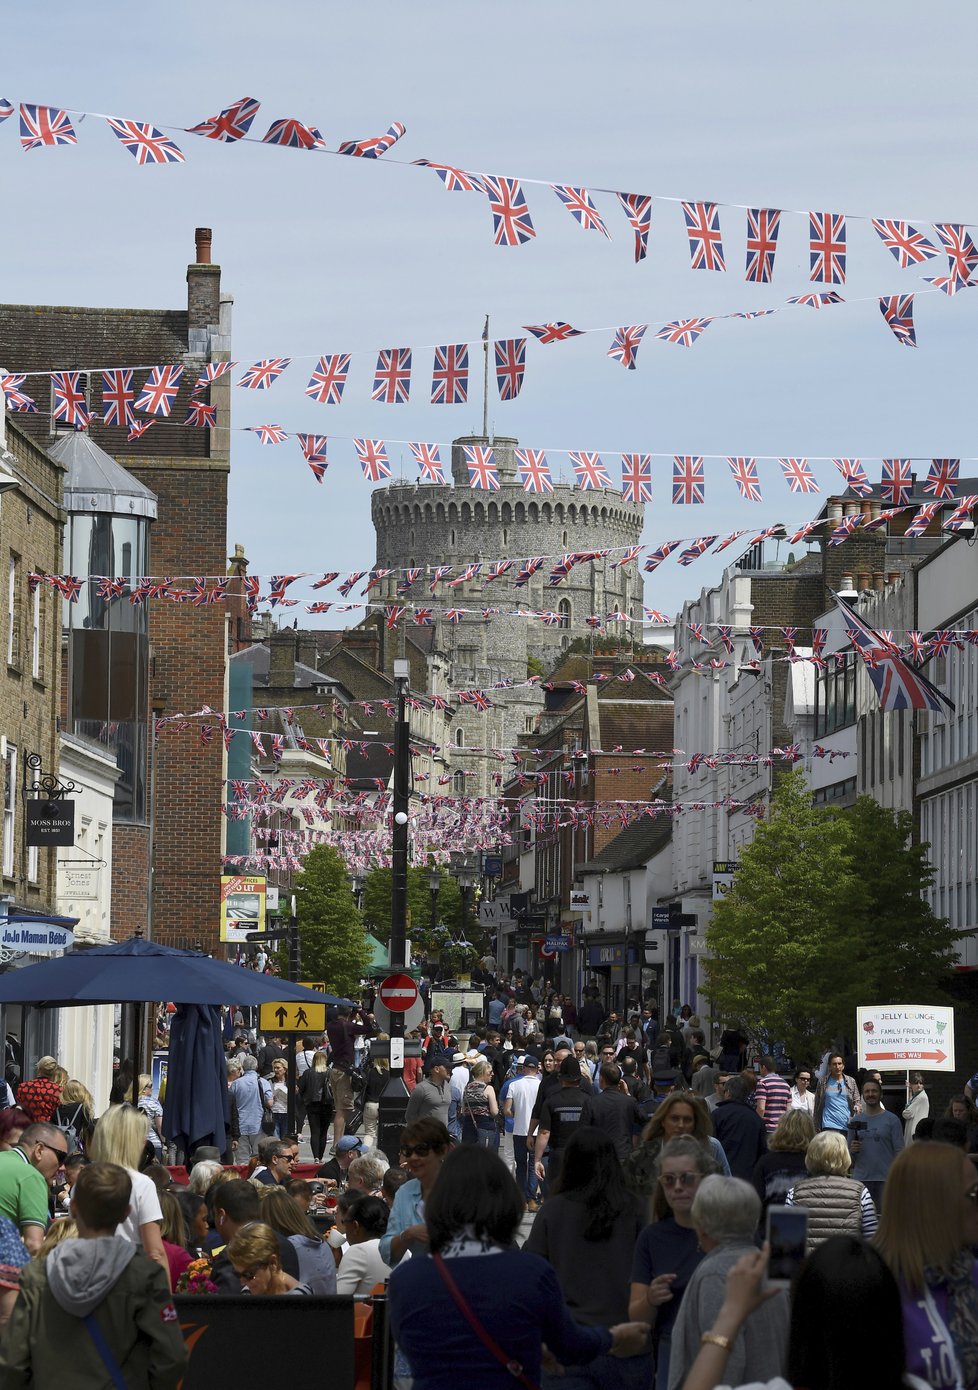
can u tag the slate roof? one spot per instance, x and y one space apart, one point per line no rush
632 848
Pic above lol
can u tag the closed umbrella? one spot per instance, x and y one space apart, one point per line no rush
196 1107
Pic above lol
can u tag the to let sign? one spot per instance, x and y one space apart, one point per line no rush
906 1037
49 823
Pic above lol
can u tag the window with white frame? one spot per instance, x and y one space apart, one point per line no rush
13 636
36 633
33 863
9 808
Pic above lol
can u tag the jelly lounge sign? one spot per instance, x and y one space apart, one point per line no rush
40 938
906 1037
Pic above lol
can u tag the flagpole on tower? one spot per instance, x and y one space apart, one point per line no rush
485 380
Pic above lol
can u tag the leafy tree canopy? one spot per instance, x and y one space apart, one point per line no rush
332 940
377 907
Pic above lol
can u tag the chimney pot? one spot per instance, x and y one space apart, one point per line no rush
202 237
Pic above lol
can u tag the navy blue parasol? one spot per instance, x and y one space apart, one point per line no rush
196 1106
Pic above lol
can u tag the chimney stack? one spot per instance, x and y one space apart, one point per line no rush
202 237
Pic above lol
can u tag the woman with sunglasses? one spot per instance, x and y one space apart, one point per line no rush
253 1252
424 1148
802 1095
667 1252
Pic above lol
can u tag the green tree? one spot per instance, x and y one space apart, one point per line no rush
332 940
377 907
781 940
907 951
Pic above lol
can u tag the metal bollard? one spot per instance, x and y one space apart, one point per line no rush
382 1347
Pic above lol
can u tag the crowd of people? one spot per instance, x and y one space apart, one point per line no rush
618 1183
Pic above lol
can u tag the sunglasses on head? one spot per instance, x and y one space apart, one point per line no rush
421 1150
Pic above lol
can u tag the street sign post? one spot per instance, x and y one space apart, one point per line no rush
906 1037
292 1018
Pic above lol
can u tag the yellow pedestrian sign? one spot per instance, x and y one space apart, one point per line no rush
292 1018
318 985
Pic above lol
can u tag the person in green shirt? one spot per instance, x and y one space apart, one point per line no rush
27 1172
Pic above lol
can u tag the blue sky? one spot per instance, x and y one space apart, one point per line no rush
833 108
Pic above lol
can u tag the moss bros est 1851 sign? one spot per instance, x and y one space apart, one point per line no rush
49 822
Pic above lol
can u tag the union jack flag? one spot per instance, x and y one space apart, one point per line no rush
329 378
948 284
454 615
423 617
267 434
589 471
294 135
510 215
534 471
373 459
330 575
703 231
637 207
627 342
897 685
375 145
636 478
428 460
14 398
528 569
845 528
69 400
909 246
260 375
897 309
470 572
393 613
455 180
145 143
578 203
799 475
510 366
942 478
725 633
816 300
392 378
349 582
922 519
45 125
688 481
439 573
684 332
117 396
729 540
896 483
943 640
110 589
313 448
694 551
481 463
232 124
763 225
553 332
212 372
919 647
827 247
653 615
854 476
876 523
450 375
409 579
962 513
138 429
498 569
6 108
744 472
630 553
661 553
200 416
961 251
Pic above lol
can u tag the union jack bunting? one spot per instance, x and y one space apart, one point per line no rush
703 231
578 203
450 375
661 553
392 377
351 579
453 615
45 125
876 523
589 471
684 332
756 635
212 372
909 246
763 225
374 146
330 575
424 617
854 476
694 551
790 635
267 434
725 634
6 108
118 396
534 472
428 460
293 135
816 300
200 416
373 459
896 483
160 391
922 519
553 332
897 309
470 572
798 475
744 472
313 448
961 251
942 478
636 478
919 647
138 429
232 124
499 568
14 398
948 284
393 613
729 540
69 400
328 380
827 247
627 341
696 631
481 463
145 143
637 207
510 356
630 553
845 528
962 513
511 223
261 375
943 640
439 573
688 481
897 685
528 569
455 180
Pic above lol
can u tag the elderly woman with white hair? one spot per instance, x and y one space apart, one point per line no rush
725 1214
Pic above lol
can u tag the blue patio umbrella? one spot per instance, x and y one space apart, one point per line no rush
196 1106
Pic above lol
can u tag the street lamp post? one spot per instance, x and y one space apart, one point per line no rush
434 887
394 1099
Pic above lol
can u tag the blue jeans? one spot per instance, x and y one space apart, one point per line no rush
662 1350
604 1373
523 1162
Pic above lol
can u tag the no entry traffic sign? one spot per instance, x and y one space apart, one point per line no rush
398 993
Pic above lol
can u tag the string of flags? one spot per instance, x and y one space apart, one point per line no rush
512 225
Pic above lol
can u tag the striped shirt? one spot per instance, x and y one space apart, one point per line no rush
777 1098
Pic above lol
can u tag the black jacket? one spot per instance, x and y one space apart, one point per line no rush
741 1132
